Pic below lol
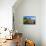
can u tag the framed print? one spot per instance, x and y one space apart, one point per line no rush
29 20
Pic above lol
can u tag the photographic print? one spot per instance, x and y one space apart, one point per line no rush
29 20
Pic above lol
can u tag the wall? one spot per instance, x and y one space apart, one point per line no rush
43 22
6 16
28 8
6 13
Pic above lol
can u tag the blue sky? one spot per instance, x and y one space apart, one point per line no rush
30 17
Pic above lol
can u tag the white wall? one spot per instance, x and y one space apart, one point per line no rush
29 8
38 31
43 22
6 13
